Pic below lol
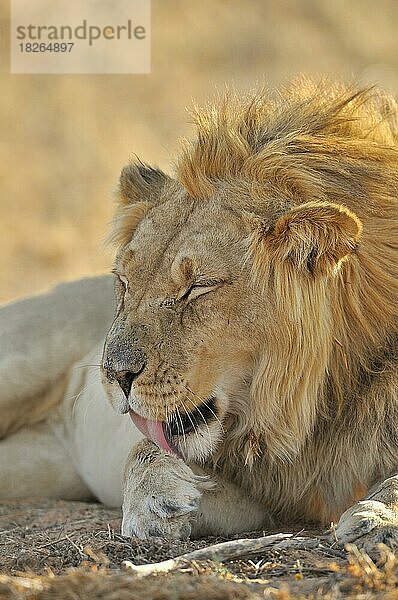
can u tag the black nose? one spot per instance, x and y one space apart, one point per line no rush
125 378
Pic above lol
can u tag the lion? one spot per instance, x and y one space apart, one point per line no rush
252 340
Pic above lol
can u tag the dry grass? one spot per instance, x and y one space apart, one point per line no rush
72 550
65 138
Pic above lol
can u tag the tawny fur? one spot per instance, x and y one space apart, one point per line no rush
284 216
314 170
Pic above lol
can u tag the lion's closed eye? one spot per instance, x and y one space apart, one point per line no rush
198 288
120 287
124 282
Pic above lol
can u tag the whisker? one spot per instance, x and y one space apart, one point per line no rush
76 397
209 407
86 411
166 413
195 428
182 426
203 419
84 366
188 413
202 400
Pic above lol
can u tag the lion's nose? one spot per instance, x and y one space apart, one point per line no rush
125 378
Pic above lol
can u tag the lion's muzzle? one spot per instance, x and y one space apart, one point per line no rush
169 435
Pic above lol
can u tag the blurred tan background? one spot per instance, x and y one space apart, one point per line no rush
64 138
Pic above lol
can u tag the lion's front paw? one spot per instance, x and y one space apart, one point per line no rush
373 521
161 494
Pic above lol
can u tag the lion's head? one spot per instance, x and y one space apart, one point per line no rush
232 279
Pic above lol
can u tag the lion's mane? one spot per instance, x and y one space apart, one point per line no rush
327 383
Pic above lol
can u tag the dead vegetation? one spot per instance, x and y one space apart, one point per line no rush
66 550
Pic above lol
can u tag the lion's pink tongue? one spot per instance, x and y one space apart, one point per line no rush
152 430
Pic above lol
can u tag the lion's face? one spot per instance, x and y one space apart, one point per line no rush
223 309
182 346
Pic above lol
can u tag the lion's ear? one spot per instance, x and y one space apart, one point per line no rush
314 237
141 183
140 187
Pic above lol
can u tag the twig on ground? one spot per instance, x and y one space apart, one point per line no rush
78 548
53 542
332 551
227 551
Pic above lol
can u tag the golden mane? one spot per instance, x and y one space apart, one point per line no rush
292 134
334 332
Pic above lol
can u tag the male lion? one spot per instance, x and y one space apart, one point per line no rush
254 342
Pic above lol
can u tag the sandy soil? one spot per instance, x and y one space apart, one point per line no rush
54 549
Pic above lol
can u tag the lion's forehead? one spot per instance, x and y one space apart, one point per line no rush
172 233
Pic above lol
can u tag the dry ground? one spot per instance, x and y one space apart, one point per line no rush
64 140
69 550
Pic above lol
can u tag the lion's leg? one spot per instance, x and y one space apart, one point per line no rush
225 509
374 520
40 338
34 463
164 497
